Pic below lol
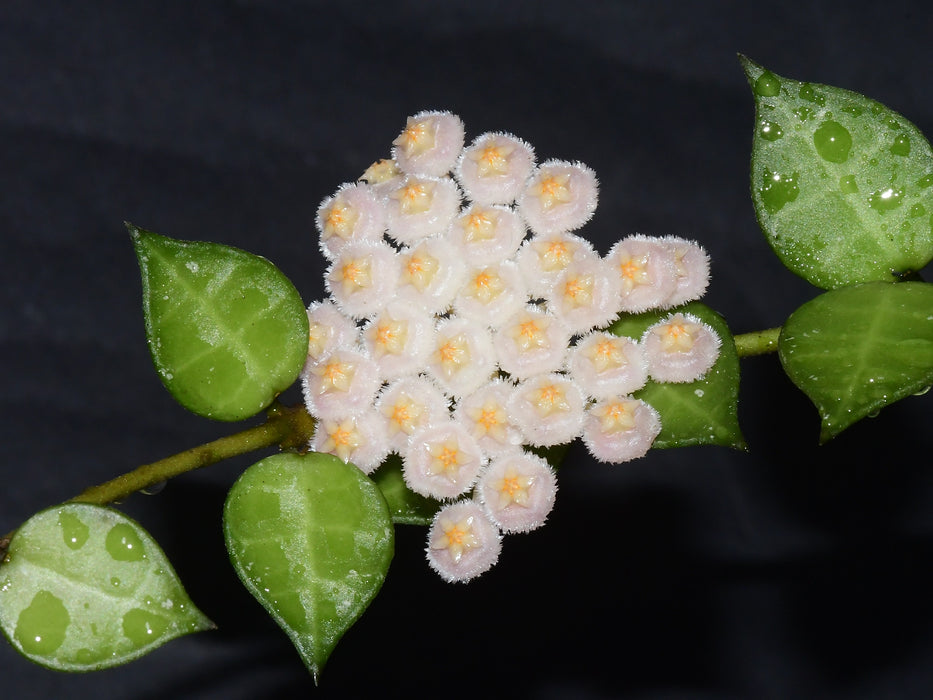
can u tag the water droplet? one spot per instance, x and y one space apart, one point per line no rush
922 391
74 531
803 113
124 544
115 582
767 84
154 489
778 190
833 141
874 414
901 145
770 131
917 210
885 200
925 181
85 656
852 108
142 627
809 93
41 626
848 185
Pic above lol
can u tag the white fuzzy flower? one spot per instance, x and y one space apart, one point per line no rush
518 491
541 259
532 341
495 167
462 542
429 144
363 277
418 206
328 329
487 234
620 429
485 415
646 269
491 294
463 358
605 365
680 348
441 461
354 213
399 339
357 438
343 382
409 405
431 275
548 408
586 294
691 270
559 197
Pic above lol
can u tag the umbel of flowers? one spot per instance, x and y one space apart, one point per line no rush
461 329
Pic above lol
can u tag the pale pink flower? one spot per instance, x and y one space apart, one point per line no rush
620 429
329 329
408 405
399 339
441 460
605 365
487 234
429 144
491 294
353 213
495 167
518 490
541 259
559 197
357 438
691 268
548 409
485 415
462 542
463 358
418 206
431 274
586 294
363 277
680 348
343 382
532 341
646 269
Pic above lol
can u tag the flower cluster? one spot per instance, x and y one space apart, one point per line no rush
461 329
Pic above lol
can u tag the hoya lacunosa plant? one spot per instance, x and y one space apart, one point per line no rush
470 332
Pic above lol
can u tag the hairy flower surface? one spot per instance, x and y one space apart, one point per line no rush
430 143
442 460
462 542
605 365
518 491
620 429
559 197
680 348
495 168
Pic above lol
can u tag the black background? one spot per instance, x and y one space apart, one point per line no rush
790 571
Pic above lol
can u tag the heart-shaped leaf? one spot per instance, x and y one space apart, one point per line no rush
311 538
857 349
704 412
226 329
842 185
84 588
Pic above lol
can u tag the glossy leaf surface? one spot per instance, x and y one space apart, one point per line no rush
84 588
704 412
311 538
857 349
226 329
842 185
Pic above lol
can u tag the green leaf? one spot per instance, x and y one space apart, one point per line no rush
857 349
84 588
226 329
842 185
405 506
704 412
311 538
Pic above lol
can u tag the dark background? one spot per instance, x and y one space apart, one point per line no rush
792 571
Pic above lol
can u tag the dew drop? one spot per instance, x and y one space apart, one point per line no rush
885 200
852 108
770 131
767 84
833 141
925 181
142 627
74 531
41 627
809 93
123 544
922 391
848 185
917 210
154 489
901 145
778 190
803 113
115 582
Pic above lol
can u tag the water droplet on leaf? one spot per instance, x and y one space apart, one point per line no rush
833 141
901 145
74 531
123 544
885 200
767 85
41 626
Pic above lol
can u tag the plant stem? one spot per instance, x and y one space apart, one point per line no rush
757 342
290 427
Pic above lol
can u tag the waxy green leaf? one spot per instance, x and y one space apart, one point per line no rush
311 538
226 329
857 349
704 412
842 185
84 588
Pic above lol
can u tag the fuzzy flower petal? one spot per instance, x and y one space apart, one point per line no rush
463 358
399 339
559 197
354 213
492 293
542 258
680 348
431 275
442 461
495 167
646 268
420 206
518 491
487 234
343 382
620 429
363 277
586 294
409 405
530 342
462 542
548 408
328 329
485 415
358 438
429 144
605 365
691 268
